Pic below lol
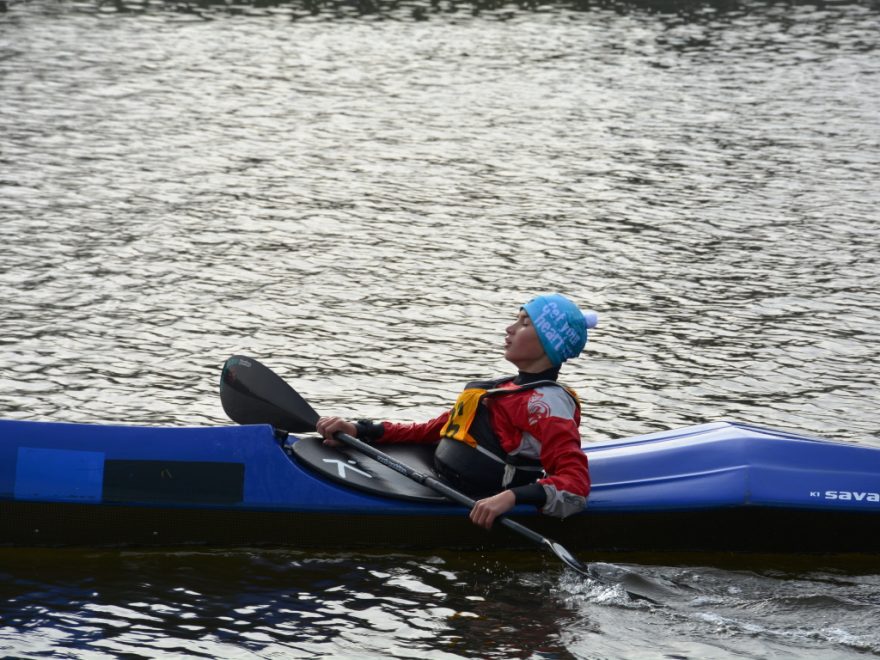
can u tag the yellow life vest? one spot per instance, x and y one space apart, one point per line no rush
467 405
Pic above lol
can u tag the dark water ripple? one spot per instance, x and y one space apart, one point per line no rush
361 198
269 604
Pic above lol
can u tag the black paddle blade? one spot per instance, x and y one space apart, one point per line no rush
568 559
253 394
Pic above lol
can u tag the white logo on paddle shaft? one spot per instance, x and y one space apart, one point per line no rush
342 466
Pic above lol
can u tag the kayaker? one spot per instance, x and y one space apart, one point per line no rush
513 440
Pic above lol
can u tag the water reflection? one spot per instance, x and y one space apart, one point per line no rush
363 207
265 603
691 11
202 604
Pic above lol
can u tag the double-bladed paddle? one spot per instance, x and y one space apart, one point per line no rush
251 393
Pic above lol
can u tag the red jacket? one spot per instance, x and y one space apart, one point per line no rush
540 423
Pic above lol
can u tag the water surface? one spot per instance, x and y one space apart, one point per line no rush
361 196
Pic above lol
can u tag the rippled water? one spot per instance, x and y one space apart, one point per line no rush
361 195
285 604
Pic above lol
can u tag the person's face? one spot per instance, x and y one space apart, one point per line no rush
522 346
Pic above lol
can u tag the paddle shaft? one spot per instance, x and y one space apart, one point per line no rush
444 489
252 393
437 485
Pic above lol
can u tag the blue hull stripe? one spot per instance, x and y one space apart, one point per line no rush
61 475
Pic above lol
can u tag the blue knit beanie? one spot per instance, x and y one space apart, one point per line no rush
561 326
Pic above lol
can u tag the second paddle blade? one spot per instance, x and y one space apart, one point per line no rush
251 393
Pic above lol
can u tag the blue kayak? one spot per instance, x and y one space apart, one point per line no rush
713 487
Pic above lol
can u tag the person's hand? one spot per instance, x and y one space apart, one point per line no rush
486 510
328 426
